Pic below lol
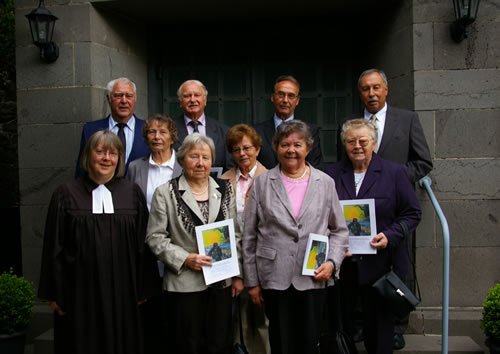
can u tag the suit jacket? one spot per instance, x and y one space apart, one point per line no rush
171 228
403 141
395 201
267 155
274 242
139 146
138 172
215 130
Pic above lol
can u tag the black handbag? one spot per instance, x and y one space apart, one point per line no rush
395 295
239 348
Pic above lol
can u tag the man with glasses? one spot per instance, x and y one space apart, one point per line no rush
122 96
285 98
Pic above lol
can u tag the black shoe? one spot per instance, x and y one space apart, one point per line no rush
399 341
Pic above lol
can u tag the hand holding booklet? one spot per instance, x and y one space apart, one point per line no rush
316 253
359 215
218 241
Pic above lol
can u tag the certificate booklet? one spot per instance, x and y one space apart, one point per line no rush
359 215
316 252
218 241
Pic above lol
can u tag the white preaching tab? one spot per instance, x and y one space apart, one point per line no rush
102 201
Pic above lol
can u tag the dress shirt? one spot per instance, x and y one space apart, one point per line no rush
278 120
158 174
242 184
201 125
380 122
128 130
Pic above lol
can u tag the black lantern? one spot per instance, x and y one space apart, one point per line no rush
42 24
465 14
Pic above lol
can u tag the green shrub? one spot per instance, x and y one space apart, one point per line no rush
490 322
16 302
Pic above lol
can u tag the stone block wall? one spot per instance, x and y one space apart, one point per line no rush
54 100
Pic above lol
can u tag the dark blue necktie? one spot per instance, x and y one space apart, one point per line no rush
121 135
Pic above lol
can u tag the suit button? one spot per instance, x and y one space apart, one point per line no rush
299 226
296 239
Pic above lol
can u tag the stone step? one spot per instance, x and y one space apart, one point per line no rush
431 344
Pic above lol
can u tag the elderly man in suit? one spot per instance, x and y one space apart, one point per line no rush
400 139
122 96
285 98
192 95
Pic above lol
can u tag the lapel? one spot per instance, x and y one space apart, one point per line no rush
279 189
177 169
389 129
372 175
137 135
143 174
214 199
181 129
347 179
269 131
312 191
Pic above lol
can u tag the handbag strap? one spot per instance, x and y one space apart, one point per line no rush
406 233
238 313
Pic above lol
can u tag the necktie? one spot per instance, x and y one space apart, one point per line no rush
374 120
194 124
121 135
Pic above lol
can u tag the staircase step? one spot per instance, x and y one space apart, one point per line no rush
431 344
44 343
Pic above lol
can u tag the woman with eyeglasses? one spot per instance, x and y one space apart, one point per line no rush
285 206
96 269
243 143
365 175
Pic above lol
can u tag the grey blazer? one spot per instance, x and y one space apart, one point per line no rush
171 229
274 242
138 171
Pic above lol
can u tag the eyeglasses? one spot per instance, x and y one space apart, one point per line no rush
244 148
119 95
363 142
282 95
102 153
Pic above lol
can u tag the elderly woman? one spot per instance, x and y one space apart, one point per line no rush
366 175
200 315
243 143
95 265
286 205
160 134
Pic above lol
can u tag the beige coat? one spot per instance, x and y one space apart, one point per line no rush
171 234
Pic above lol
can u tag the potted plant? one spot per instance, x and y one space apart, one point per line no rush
16 306
490 323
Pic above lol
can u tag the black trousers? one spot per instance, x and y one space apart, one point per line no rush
295 319
200 322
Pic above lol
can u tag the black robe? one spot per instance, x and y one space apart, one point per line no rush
96 267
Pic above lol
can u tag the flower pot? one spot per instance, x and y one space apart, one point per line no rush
493 344
12 343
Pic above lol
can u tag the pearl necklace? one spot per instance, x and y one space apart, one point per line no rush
199 193
297 178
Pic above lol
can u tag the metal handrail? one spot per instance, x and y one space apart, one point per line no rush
425 182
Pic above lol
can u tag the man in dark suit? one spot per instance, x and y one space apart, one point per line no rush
285 98
401 139
121 95
192 96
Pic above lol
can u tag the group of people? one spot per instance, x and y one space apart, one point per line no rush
121 267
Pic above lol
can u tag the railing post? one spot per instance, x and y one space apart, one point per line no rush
425 182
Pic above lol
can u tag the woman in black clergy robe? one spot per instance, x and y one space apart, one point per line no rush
96 268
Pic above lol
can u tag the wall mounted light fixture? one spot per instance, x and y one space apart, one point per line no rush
42 24
465 14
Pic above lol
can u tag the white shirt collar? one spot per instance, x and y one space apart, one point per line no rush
278 120
251 174
130 124
170 163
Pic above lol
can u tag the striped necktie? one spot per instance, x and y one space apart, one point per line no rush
374 120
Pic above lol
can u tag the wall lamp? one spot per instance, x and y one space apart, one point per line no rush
465 14
42 24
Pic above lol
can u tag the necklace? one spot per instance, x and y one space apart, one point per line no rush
297 178
199 193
